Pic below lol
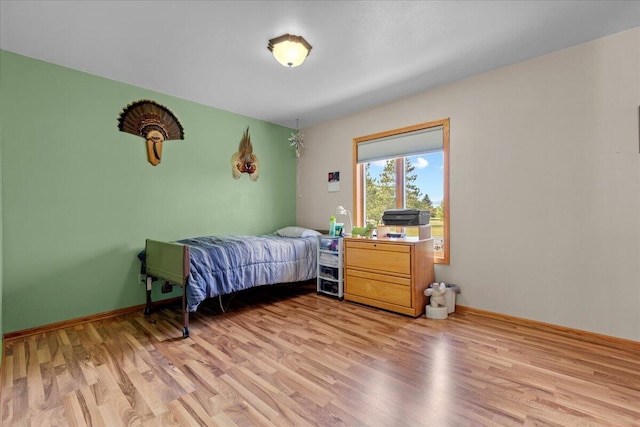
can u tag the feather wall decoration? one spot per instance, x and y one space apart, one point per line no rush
244 161
152 121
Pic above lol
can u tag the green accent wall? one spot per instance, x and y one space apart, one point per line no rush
79 197
1 330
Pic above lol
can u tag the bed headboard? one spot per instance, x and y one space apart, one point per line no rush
167 261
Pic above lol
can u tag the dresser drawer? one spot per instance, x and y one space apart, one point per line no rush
390 274
374 256
389 289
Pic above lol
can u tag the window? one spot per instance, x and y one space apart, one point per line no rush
405 168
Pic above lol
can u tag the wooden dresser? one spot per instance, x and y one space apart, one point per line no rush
389 273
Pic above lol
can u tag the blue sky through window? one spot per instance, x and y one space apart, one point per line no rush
429 169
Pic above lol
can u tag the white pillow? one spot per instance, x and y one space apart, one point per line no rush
297 232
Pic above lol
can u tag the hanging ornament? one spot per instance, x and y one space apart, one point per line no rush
297 140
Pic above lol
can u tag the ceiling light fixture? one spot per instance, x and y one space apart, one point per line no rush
289 50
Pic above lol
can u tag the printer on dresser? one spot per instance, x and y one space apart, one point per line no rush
406 217
390 273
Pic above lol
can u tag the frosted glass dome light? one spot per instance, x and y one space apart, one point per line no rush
289 50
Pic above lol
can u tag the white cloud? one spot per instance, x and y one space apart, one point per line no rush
421 163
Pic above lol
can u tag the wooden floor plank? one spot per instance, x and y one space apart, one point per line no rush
285 356
7 394
74 414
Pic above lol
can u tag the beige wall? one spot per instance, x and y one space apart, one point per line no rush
545 183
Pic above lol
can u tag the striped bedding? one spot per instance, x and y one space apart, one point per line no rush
220 265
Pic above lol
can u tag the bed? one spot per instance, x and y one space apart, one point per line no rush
213 266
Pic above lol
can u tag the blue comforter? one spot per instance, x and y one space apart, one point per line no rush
220 265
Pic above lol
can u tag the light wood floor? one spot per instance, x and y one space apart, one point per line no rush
290 357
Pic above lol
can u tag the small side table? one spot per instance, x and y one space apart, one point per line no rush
330 275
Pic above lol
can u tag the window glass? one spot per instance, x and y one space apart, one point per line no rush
423 189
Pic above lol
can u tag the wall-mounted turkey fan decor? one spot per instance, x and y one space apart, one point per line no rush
152 121
244 161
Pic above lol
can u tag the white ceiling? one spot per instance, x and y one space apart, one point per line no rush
365 53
